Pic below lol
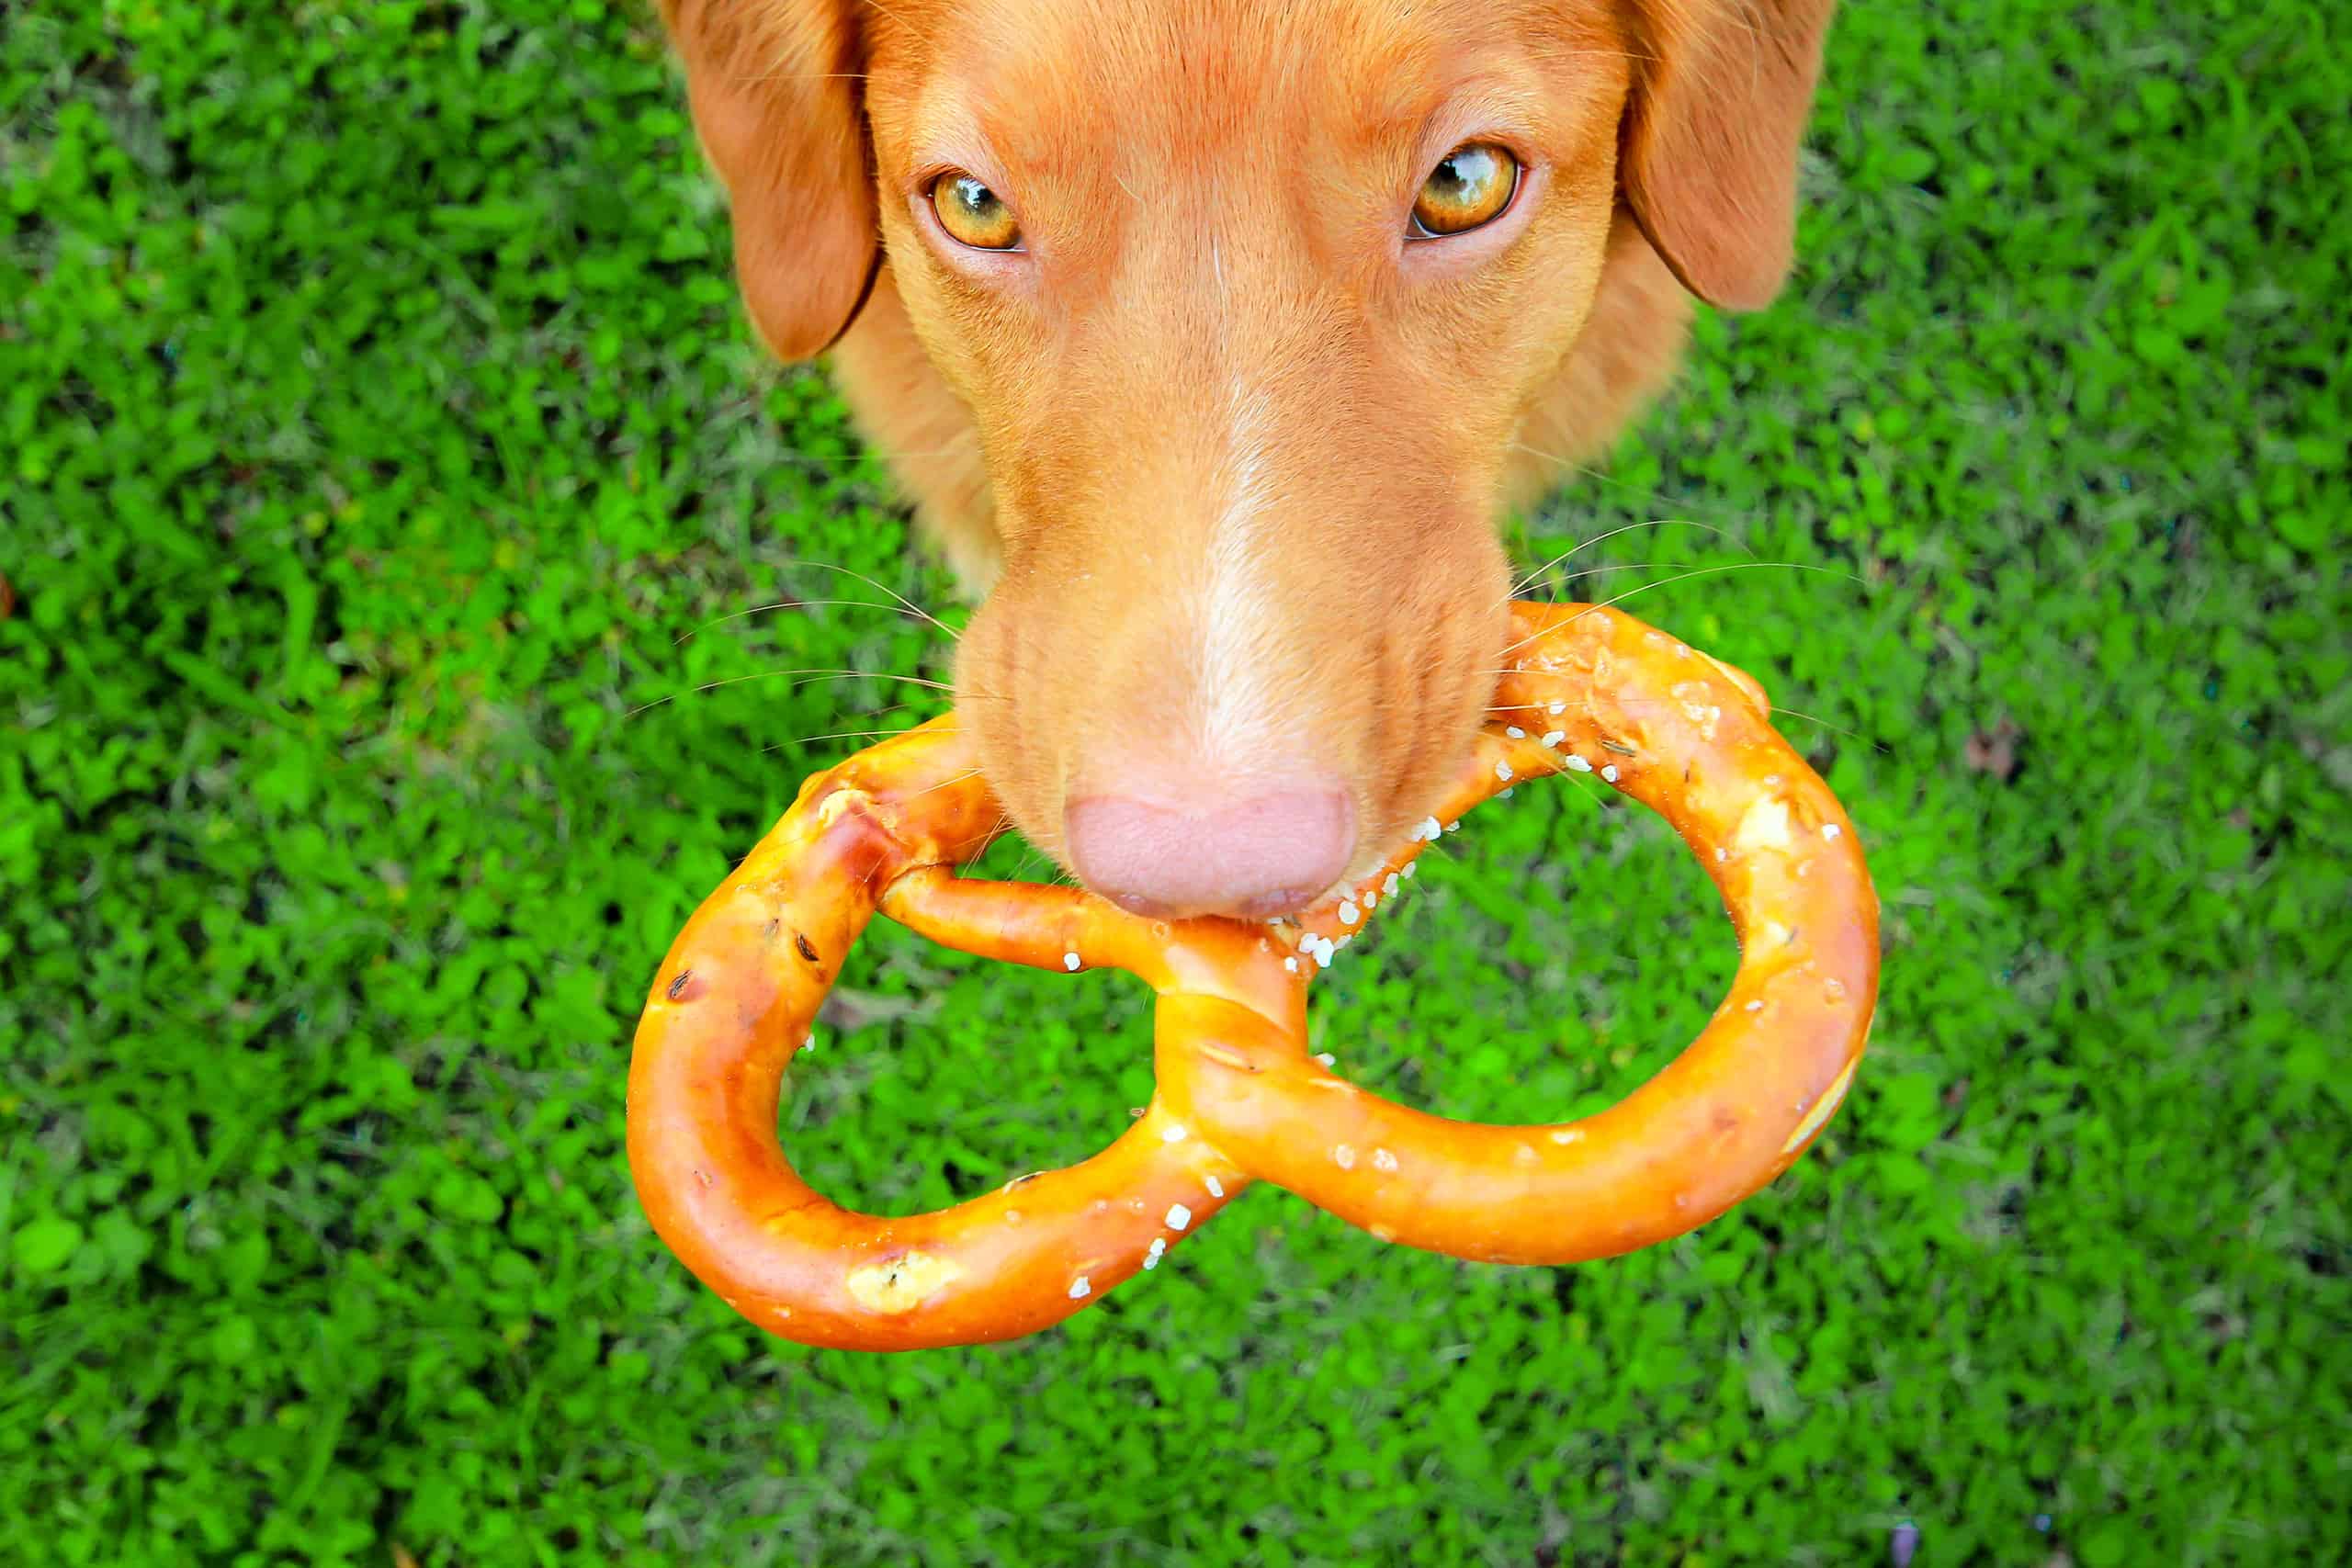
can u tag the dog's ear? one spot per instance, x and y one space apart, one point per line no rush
773 86
1723 89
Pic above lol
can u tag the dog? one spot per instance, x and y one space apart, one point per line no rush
1210 339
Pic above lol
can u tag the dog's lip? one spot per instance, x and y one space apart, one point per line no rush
1265 906
1292 902
1283 904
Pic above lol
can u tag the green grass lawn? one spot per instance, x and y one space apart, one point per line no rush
382 435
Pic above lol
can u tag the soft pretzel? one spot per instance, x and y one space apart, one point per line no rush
1590 690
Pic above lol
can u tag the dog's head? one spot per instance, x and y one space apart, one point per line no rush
1247 302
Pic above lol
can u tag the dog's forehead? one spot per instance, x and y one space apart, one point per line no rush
1050 85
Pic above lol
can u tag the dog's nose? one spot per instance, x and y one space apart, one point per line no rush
1268 853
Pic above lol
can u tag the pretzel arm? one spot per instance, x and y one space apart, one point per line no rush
1497 761
1046 927
734 1000
1730 1113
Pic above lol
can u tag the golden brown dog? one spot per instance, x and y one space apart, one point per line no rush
1211 338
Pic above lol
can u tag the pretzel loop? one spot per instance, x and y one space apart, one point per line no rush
735 999
1720 1121
1239 1098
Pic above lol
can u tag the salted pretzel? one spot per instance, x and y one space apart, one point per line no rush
1239 1098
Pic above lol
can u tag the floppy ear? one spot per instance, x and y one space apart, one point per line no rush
1709 163
773 89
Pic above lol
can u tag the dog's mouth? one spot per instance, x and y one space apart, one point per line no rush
1170 817
1257 851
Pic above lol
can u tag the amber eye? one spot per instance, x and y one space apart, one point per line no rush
973 215
1469 187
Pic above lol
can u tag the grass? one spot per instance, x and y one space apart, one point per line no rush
380 433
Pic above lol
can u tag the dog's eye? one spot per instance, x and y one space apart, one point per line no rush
1470 186
973 215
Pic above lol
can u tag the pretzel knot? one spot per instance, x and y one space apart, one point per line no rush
1238 1099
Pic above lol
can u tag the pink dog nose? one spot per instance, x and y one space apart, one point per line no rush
1263 856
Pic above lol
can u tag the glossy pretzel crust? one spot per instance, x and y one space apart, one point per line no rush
1238 1097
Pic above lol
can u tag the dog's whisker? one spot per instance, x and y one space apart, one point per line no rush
1834 729
1003 820
952 634
812 677
1520 586
1776 708
1573 572
691 633
834 462
1586 473
842 735
1033 855
1670 581
973 846
1660 500
1855 578
1558 459
851 459
949 782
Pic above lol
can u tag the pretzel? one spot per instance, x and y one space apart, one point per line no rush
1238 1097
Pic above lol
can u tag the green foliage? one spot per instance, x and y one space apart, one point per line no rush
381 435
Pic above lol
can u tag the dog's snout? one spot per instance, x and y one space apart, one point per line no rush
1268 853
